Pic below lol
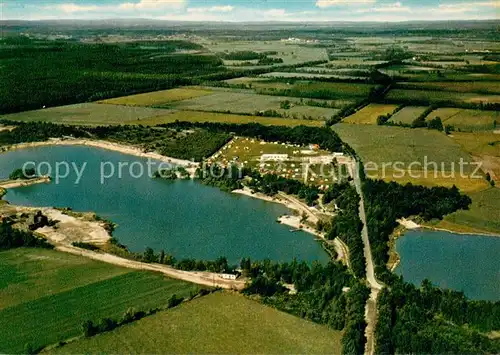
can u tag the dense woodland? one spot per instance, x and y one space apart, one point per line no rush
40 73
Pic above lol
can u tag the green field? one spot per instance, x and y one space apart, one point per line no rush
197 116
484 147
370 113
89 114
46 295
158 97
247 152
430 96
408 114
467 120
483 215
218 323
384 146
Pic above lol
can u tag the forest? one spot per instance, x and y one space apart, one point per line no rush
37 73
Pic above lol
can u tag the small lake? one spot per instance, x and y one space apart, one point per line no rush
185 218
468 263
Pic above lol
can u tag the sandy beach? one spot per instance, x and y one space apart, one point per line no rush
121 148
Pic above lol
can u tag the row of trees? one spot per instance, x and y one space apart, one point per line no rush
346 224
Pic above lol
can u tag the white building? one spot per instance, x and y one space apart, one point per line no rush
228 276
274 157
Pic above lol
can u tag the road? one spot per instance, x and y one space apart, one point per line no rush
375 286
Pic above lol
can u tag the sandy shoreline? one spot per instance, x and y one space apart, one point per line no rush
11 184
121 148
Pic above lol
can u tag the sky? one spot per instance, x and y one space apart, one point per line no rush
253 10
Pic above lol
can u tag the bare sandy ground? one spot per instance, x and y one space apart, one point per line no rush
11 184
408 224
125 149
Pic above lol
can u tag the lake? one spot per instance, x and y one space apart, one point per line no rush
185 218
468 263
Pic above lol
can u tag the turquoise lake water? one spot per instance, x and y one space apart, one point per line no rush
185 218
468 263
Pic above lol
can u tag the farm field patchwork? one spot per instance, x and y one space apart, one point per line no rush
222 322
73 295
199 116
408 114
433 96
158 97
303 74
91 114
467 120
370 113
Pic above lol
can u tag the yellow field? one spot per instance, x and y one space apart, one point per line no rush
370 113
157 97
197 116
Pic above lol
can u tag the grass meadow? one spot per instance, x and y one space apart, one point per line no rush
91 114
433 96
46 295
158 97
369 114
219 323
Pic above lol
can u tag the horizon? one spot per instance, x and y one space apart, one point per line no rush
262 11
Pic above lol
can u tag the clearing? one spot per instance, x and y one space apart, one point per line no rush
221 322
370 113
57 292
